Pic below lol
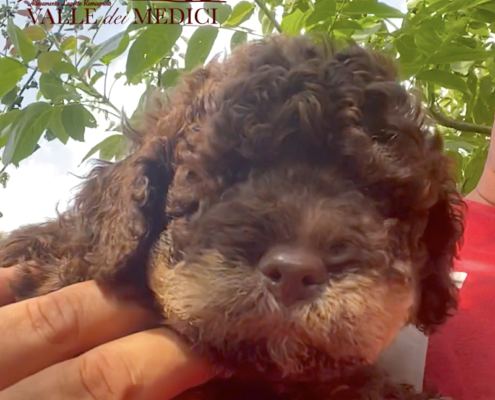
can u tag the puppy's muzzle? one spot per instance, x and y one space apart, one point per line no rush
293 274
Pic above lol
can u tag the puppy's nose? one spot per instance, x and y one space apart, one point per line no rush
294 274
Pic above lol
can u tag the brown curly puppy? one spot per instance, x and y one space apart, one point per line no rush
288 209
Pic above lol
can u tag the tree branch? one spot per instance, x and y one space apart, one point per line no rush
28 82
330 30
96 33
269 15
81 78
105 83
448 122
95 107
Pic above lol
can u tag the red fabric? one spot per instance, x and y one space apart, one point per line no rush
461 356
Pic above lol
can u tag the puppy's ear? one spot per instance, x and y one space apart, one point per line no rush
442 238
121 210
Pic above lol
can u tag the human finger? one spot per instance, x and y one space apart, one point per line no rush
6 294
42 331
151 365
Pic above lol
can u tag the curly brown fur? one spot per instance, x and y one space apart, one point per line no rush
281 144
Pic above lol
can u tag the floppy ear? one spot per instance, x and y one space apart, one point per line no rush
121 211
442 238
107 235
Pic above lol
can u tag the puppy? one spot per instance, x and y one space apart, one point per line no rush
289 210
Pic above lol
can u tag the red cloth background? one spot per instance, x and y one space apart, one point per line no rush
461 356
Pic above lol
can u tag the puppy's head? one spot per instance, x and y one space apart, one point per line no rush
313 212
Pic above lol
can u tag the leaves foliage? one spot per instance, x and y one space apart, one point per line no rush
443 49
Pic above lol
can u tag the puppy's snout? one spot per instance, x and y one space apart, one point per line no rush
293 274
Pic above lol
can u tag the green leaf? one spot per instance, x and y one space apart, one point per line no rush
407 48
444 79
488 7
11 72
46 61
5 125
69 43
346 24
75 118
110 142
367 32
110 49
237 39
34 32
377 9
409 69
460 53
167 5
472 82
112 148
482 111
136 116
89 119
484 15
170 77
324 9
57 126
52 88
292 24
480 29
457 144
26 131
266 23
141 7
10 97
474 169
63 67
491 69
154 42
95 78
221 12
242 11
200 45
428 40
23 45
462 67
178 11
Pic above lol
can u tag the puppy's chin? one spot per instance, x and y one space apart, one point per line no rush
227 312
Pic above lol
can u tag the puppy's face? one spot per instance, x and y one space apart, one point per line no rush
292 271
306 215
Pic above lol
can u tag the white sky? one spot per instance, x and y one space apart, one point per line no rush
49 175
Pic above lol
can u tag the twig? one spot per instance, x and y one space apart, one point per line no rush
75 52
443 120
111 87
337 16
95 93
101 109
96 33
105 84
269 15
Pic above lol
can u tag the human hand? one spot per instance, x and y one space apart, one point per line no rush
80 343
485 190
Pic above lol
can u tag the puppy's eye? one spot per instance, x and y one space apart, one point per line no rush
342 256
339 248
